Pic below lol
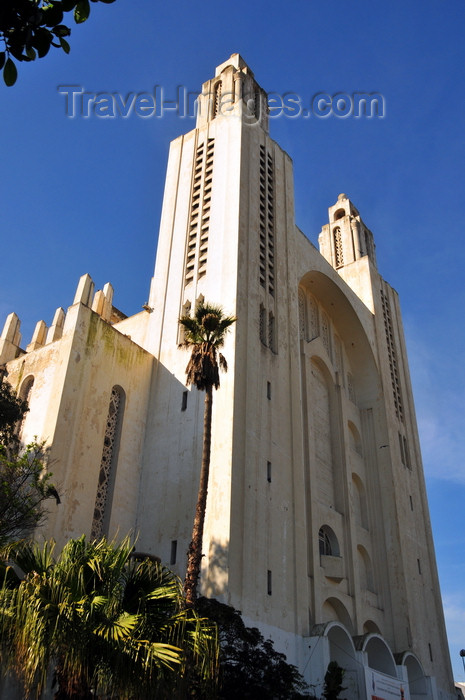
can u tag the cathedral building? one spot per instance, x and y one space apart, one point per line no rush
317 525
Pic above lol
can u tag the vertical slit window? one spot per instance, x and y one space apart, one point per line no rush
174 549
108 464
271 332
269 582
338 252
184 400
392 356
268 472
266 239
199 221
217 105
262 321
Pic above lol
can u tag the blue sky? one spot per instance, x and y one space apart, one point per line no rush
84 195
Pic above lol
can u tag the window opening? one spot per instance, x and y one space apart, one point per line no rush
174 548
108 462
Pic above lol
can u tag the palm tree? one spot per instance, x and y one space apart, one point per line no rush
204 333
107 623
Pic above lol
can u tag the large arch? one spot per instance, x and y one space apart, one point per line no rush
350 330
333 610
379 655
341 645
417 682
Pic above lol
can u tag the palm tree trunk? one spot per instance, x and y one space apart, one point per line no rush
194 554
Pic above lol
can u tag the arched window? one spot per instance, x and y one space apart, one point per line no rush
108 463
26 388
327 541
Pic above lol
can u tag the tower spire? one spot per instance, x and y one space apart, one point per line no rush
232 92
346 238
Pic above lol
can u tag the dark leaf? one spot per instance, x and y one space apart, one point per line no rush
53 14
64 45
2 59
61 30
81 11
31 54
17 52
10 73
42 40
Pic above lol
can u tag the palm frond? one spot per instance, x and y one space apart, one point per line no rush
109 622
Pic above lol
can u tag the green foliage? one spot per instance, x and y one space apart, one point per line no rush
110 625
250 667
12 410
29 28
333 681
204 334
25 484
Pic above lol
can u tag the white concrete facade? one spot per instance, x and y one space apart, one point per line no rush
317 523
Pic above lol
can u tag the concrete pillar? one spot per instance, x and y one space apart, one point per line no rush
84 291
56 329
39 336
102 304
10 339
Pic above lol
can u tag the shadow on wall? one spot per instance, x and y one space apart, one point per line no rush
215 571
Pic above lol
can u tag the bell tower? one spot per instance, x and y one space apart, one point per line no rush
346 238
233 91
